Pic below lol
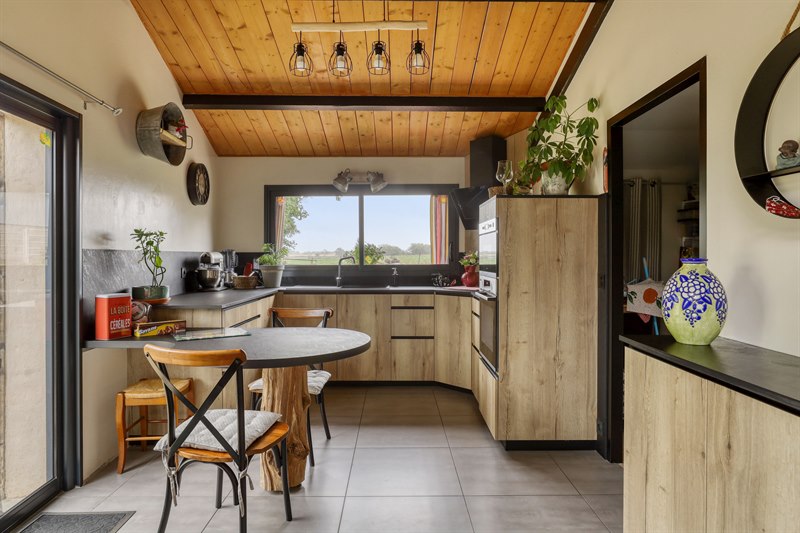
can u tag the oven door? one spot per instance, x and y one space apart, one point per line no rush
488 330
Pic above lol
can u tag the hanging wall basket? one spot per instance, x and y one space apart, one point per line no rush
161 133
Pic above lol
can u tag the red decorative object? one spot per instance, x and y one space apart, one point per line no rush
470 276
777 206
112 316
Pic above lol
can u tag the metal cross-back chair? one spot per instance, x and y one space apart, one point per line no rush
317 378
180 448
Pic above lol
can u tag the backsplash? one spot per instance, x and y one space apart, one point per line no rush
110 271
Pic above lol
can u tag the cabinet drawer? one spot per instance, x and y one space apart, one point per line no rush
412 323
412 359
476 331
412 300
476 306
247 316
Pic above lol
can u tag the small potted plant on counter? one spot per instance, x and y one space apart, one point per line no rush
470 263
560 148
148 243
271 264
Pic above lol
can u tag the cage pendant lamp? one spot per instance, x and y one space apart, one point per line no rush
340 64
418 61
378 62
300 63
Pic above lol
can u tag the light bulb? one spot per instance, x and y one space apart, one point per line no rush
419 61
300 62
341 64
377 62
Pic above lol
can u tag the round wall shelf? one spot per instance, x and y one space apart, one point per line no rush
158 135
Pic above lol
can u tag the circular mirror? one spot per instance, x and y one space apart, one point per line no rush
767 138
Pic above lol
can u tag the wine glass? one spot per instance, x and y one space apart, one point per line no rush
505 172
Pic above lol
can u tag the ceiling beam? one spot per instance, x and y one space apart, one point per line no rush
363 103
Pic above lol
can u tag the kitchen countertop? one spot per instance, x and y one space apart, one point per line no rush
234 297
766 375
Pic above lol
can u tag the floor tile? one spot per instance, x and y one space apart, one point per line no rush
468 431
608 508
498 472
190 516
341 402
382 431
400 403
66 503
421 514
451 402
266 513
589 472
403 472
197 480
344 430
328 478
491 514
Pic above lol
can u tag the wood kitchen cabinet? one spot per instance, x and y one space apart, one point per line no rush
700 456
371 314
453 346
310 301
412 360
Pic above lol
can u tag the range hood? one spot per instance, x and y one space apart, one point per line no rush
484 153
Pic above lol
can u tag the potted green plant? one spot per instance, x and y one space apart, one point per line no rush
271 264
470 263
560 147
148 243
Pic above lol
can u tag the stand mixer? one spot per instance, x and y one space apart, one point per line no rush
210 272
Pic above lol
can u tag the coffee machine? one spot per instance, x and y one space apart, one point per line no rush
210 272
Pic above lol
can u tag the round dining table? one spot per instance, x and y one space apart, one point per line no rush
284 354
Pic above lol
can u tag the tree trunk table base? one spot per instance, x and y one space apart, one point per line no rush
286 392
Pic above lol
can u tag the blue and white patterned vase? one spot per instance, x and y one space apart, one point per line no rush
694 303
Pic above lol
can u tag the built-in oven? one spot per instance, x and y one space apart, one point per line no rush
487 248
488 347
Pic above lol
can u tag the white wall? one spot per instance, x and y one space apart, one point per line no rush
104 48
641 45
239 207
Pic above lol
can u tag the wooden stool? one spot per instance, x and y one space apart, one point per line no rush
143 394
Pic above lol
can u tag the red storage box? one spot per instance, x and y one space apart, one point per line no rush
112 316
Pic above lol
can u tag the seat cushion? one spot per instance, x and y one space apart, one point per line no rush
147 389
256 423
316 380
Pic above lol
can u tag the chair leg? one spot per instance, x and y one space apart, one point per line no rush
287 503
321 401
253 400
162 526
308 434
143 430
243 505
120 421
218 503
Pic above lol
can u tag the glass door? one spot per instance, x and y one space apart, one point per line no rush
27 387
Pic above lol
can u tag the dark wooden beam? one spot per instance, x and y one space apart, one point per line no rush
363 103
582 44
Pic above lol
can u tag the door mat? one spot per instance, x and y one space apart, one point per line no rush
78 522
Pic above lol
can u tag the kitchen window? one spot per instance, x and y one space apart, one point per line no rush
412 226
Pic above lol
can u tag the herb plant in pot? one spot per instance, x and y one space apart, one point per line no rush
470 263
560 147
148 243
271 264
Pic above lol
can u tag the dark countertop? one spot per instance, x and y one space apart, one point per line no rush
234 297
766 375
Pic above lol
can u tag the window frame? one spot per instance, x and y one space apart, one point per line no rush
272 192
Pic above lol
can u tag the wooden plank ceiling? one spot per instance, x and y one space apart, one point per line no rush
476 49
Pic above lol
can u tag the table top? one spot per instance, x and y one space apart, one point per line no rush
282 347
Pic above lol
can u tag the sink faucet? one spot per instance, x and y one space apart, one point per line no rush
339 273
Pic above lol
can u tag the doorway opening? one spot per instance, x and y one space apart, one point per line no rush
657 177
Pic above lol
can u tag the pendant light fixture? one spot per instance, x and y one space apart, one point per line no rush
339 64
300 63
378 62
418 62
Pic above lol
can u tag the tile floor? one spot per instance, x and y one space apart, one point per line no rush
401 459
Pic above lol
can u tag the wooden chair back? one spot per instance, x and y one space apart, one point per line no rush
159 358
280 314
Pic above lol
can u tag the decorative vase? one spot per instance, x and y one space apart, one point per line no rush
271 276
470 276
554 184
694 303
